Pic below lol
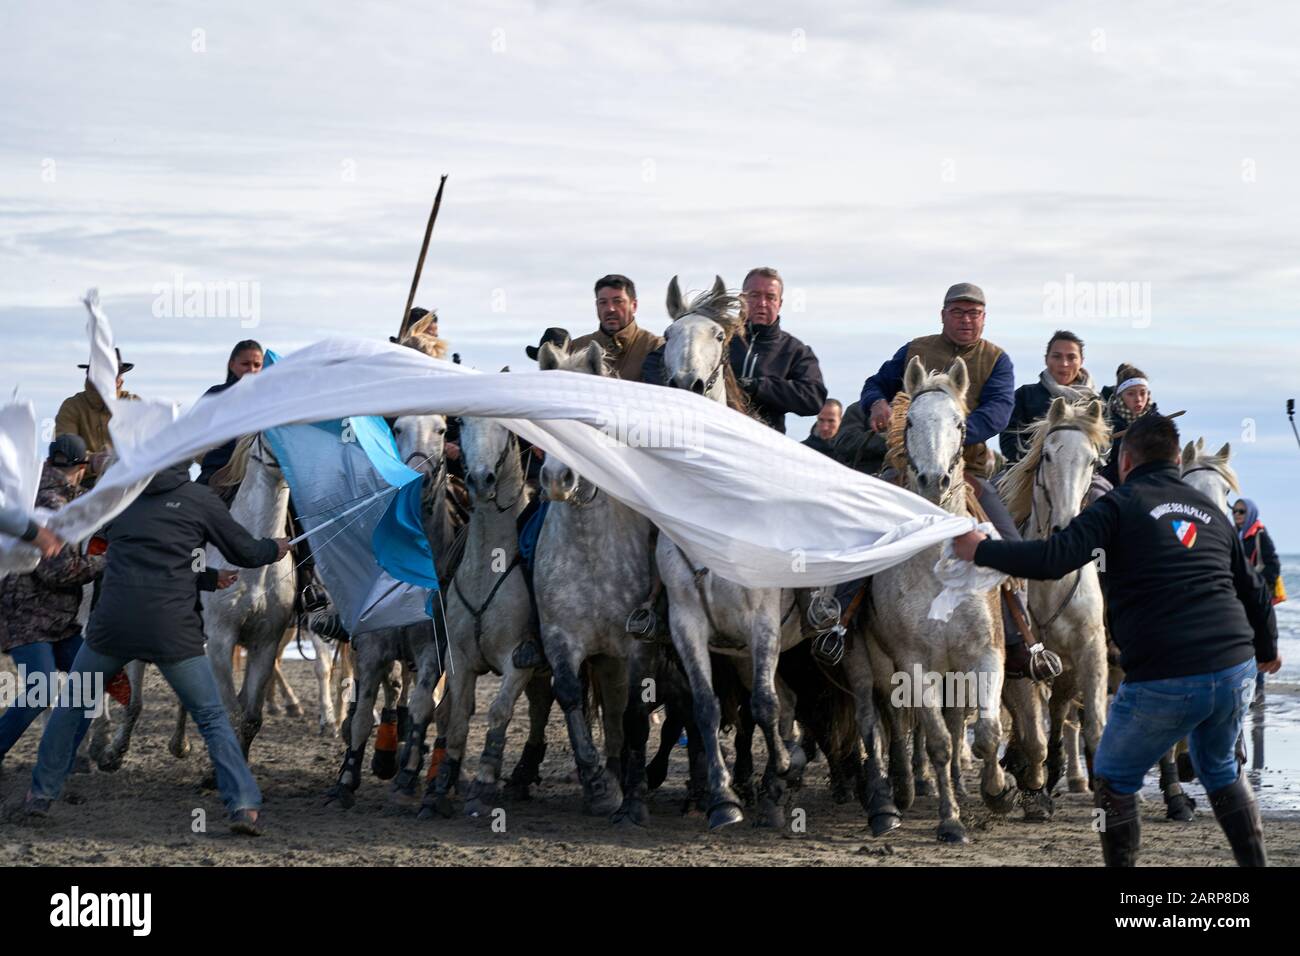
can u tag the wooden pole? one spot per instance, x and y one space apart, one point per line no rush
419 264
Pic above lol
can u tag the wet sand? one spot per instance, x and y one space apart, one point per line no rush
146 813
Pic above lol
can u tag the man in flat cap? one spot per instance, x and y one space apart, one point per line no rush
86 416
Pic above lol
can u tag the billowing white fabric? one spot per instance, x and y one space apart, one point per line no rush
20 472
741 499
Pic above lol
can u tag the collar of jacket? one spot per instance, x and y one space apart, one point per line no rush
763 333
963 350
1163 469
1254 529
621 339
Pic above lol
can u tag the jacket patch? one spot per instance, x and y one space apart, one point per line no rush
1185 531
172 504
1179 507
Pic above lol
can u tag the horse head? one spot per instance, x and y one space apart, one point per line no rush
934 436
1053 478
491 457
698 342
420 441
559 481
1210 474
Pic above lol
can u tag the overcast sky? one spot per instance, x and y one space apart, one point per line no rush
874 153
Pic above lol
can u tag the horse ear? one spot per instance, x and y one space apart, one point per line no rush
1225 452
1200 444
719 287
959 375
594 358
1189 454
1057 411
548 357
1095 409
914 376
675 306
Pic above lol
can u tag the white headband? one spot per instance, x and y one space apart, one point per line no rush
1130 382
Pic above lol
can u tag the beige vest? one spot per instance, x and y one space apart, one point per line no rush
626 349
937 353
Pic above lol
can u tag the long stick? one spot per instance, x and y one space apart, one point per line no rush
419 264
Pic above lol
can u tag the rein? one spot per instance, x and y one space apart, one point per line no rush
961 448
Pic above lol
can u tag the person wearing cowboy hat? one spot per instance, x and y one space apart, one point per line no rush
86 416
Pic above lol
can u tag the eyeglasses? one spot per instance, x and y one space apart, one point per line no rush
1239 511
966 313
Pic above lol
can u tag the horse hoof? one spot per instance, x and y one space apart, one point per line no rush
1078 785
747 793
884 822
179 751
481 805
1037 805
109 763
923 788
1180 807
1001 803
340 795
951 831
724 815
293 710
769 816
383 764
604 795
632 813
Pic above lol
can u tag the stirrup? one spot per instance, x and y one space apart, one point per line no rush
1044 665
314 598
823 612
642 623
828 646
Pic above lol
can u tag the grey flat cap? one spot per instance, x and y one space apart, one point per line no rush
965 292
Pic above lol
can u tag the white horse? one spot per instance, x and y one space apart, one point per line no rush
968 650
709 614
1047 489
489 611
1211 475
592 570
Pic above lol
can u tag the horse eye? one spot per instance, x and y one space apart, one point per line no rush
718 335
1047 458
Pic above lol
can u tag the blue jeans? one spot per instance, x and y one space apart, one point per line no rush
194 684
42 658
1148 717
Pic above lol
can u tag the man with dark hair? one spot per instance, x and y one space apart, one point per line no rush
626 344
1193 622
827 426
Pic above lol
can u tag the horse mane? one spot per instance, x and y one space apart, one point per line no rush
1017 487
728 311
419 337
233 471
895 449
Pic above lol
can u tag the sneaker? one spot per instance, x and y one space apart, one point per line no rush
245 822
34 806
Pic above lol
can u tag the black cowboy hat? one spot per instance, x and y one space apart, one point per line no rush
122 367
557 337
415 315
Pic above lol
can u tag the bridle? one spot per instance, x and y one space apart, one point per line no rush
961 445
1078 574
511 447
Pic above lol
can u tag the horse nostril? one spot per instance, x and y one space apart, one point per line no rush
489 479
944 482
697 387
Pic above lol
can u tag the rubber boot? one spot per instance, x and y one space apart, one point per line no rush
1121 830
1238 814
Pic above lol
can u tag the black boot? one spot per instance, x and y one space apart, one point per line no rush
1238 814
529 655
1121 831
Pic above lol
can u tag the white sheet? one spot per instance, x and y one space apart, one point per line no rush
741 499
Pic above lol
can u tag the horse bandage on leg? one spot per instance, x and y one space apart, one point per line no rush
386 734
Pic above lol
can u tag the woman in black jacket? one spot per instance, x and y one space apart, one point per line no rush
246 358
1259 548
1064 376
149 610
1128 401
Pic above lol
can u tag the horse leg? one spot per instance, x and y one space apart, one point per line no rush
1071 745
602 794
938 745
527 770
343 685
763 701
419 713
1026 706
370 665
636 734
1060 708
110 759
997 792
259 673
178 745
458 699
484 791
383 762
292 706
877 801
221 650
323 668
955 720
743 770
1092 723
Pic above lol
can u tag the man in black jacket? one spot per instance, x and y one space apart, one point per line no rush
1193 622
149 610
779 373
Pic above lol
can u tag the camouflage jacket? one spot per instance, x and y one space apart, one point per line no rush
42 605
